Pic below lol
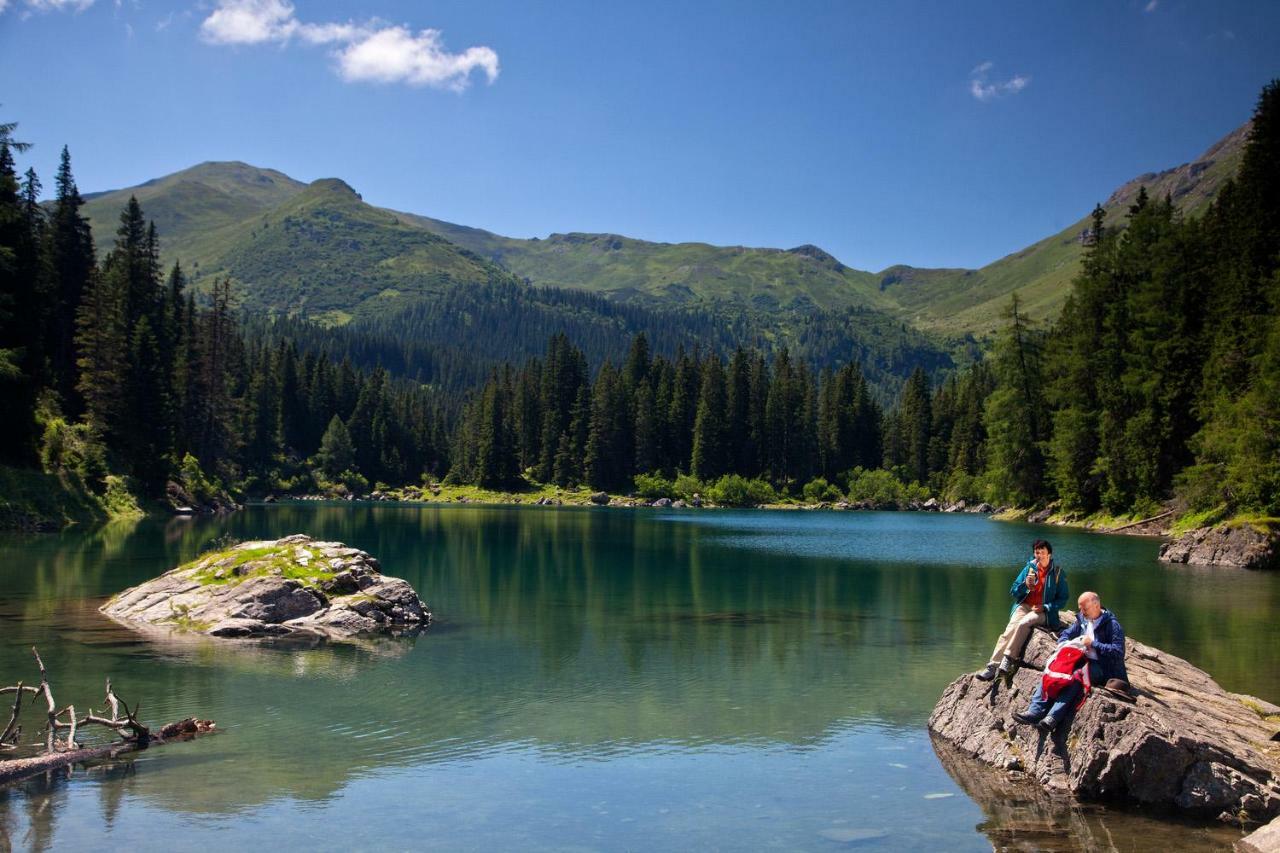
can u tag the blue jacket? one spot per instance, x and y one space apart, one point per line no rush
1055 591
1108 642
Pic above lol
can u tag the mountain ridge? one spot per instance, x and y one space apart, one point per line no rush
213 216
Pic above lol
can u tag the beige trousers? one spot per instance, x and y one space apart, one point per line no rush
1014 638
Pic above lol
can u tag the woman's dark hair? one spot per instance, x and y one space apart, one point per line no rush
1042 543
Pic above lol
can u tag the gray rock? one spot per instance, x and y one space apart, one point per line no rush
982 508
1040 516
931 505
1264 840
245 592
661 502
600 498
958 506
1182 742
679 504
1242 546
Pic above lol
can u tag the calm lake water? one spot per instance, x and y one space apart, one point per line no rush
596 679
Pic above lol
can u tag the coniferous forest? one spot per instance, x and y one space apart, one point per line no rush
1159 381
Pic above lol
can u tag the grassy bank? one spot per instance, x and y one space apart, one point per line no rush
33 500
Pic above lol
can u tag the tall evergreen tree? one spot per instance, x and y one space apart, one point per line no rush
711 456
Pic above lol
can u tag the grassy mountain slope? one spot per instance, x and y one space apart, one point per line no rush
188 205
319 250
625 268
953 301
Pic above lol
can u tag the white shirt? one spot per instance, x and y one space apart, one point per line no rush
1089 625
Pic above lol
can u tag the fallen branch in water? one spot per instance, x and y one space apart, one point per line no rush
66 752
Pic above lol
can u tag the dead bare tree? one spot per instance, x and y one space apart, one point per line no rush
68 751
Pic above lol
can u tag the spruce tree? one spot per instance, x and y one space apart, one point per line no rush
711 457
337 453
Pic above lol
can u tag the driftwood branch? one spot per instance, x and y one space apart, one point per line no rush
1143 521
133 734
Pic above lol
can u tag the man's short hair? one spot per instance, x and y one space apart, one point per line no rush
1042 543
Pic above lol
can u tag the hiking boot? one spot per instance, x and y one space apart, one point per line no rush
1048 724
987 674
1024 717
1007 664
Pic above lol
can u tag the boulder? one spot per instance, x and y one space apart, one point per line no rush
1264 840
1040 516
293 585
600 498
958 506
661 502
984 508
931 505
1242 545
1178 742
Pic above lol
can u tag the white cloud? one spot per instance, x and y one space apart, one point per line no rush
985 89
1151 6
249 22
395 55
57 5
3 5
371 52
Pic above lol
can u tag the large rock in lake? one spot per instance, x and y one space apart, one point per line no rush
293 585
1241 545
1181 742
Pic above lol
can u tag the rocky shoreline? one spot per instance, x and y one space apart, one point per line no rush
1179 742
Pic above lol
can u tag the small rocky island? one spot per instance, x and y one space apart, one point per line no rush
290 586
1179 742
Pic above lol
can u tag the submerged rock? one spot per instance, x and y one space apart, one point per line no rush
1181 742
1241 545
293 585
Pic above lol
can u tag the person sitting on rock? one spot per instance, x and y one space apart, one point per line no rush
1098 633
1038 592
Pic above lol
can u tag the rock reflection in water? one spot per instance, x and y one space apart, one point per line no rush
1020 815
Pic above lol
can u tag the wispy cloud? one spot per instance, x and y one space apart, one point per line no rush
982 87
53 5
1151 6
373 51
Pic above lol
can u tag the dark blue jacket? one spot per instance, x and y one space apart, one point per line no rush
1055 591
1108 642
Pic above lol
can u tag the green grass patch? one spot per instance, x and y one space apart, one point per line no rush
271 560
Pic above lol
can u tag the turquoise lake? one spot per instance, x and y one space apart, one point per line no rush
595 679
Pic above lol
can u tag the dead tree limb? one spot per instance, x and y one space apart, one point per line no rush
1143 521
133 734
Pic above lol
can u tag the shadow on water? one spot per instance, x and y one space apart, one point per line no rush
583 636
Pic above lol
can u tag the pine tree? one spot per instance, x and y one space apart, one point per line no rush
337 453
1015 412
711 450
70 271
915 418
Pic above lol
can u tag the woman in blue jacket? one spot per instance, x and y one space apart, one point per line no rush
1039 592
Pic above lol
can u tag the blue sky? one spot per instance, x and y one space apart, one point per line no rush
935 134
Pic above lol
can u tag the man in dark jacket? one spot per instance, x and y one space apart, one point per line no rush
1038 592
1098 632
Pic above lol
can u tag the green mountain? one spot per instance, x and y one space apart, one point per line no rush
311 249
957 300
319 250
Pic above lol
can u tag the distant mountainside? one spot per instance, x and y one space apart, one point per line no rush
319 250
958 300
